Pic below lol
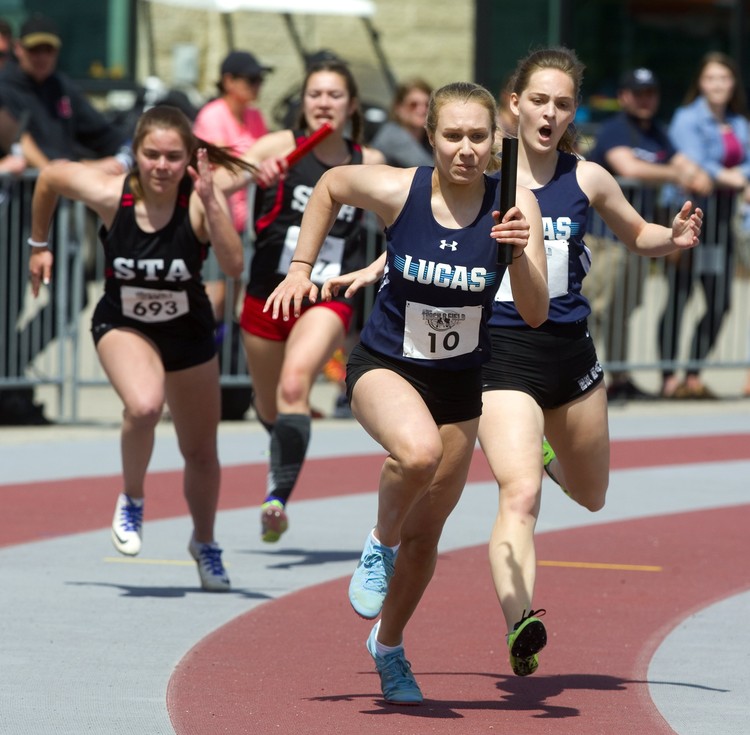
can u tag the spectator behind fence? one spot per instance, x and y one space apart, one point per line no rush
62 121
17 405
231 120
403 139
16 144
632 144
60 124
711 130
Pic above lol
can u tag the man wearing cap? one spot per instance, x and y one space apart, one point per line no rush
633 145
62 121
62 124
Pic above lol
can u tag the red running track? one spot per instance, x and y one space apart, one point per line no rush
298 664
38 510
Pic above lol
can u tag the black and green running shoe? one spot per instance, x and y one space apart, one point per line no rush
529 636
548 454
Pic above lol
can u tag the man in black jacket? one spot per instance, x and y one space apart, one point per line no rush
62 121
64 125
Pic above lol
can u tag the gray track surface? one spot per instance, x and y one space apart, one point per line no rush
89 640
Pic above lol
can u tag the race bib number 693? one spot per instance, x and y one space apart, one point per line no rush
153 305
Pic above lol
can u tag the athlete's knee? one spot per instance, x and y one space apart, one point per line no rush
294 387
520 497
203 462
144 413
592 498
418 461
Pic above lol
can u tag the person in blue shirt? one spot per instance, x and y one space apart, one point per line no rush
403 139
712 130
634 145
414 380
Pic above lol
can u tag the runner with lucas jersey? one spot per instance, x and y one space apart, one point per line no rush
153 327
285 358
548 380
415 378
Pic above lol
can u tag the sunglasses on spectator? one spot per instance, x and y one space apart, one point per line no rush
253 79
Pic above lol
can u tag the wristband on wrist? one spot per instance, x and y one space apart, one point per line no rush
34 244
297 260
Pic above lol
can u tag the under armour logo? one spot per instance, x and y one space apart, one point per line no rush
452 245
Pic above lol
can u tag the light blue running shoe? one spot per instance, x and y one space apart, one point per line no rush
369 584
396 680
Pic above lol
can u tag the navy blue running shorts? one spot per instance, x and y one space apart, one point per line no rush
554 364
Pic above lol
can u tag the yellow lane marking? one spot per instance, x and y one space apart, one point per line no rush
598 565
569 564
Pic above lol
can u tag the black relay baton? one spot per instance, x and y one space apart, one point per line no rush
507 195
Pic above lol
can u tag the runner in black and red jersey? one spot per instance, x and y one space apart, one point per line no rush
285 357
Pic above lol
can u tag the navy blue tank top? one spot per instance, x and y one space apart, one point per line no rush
436 294
564 210
154 278
278 215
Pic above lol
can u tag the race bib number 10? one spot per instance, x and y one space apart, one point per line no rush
152 305
434 333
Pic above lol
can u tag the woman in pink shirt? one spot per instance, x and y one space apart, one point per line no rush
231 120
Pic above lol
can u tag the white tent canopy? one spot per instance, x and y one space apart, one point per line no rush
362 9
359 8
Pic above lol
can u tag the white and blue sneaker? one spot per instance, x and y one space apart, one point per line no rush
127 525
396 680
369 583
213 576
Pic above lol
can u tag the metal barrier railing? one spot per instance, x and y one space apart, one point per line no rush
47 341
686 312
36 335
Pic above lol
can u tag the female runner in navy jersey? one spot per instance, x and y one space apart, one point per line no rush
284 358
415 378
548 380
153 327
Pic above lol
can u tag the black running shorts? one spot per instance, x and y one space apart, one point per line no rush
451 396
554 364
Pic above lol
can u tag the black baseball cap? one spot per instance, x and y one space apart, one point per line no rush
38 31
640 78
243 64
